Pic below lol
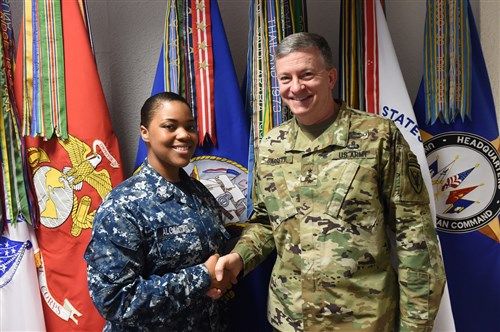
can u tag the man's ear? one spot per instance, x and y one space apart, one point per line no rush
332 74
144 134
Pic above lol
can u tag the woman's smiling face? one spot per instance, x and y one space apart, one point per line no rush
171 137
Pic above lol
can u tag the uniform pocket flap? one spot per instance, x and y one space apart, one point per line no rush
340 191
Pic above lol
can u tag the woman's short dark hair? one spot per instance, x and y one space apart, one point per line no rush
304 40
154 102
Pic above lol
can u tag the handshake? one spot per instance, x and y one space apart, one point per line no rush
223 273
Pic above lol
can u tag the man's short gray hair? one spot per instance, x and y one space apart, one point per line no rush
304 40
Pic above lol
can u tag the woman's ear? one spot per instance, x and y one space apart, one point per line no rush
144 134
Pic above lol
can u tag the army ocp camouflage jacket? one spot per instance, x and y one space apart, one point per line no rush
328 207
146 257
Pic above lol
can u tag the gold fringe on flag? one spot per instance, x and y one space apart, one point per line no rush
447 61
44 92
270 22
13 193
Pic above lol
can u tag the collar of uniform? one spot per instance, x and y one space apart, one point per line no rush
336 134
164 189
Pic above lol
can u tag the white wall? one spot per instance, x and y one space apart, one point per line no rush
489 12
128 36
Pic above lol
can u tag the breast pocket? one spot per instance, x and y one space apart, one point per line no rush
177 247
355 197
273 188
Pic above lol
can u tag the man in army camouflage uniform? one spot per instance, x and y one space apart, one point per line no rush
331 185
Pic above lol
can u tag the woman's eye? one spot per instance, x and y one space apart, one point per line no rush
169 127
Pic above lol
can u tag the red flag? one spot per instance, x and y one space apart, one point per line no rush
70 178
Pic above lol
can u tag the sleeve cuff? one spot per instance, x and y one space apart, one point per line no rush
200 274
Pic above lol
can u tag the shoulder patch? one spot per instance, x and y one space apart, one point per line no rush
415 174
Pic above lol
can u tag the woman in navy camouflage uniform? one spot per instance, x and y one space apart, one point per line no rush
156 236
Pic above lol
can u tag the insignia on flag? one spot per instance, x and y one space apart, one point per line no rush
11 254
461 206
55 188
226 180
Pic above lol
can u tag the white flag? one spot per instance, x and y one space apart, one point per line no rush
395 104
20 299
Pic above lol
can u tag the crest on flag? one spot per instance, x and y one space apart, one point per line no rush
227 181
55 188
467 181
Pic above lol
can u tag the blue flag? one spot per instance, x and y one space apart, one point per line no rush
221 167
465 169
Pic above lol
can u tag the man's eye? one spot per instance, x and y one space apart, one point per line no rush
284 79
307 76
169 127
